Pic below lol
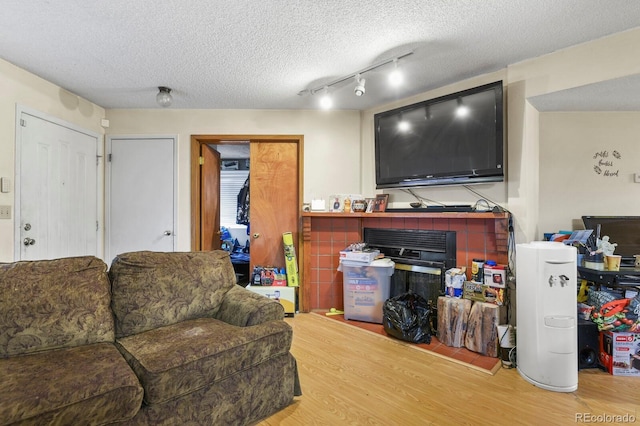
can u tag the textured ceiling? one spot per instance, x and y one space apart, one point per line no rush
260 54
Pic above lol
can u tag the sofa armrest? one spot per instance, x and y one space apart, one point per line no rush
242 308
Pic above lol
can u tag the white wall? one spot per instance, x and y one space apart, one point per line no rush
331 144
20 87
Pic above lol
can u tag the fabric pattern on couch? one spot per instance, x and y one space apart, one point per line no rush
152 289
53 304
206 350
58 361
242 399
71 386
179 359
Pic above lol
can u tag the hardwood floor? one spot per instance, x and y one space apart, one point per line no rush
352 376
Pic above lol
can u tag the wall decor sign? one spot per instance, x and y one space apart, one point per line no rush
605 163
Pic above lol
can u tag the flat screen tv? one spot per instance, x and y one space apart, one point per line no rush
451 140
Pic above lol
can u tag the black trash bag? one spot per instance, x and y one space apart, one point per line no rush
406 317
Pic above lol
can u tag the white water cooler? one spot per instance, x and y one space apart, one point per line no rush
547 336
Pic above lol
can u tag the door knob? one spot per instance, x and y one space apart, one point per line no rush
29 241
256 235
167 233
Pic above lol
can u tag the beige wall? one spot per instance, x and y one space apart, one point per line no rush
19 87
331 144
339 144
600 60
576 144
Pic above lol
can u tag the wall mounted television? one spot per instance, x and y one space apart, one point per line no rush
450 140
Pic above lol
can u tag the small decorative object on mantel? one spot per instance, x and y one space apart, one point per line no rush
380 204
370 204
358 206
318 205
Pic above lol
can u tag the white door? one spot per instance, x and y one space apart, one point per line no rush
57 189
140 205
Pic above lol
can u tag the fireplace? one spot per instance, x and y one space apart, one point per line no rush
421 259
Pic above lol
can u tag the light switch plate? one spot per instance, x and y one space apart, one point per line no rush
5 212
5 184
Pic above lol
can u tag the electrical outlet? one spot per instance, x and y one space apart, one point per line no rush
636 178
5 212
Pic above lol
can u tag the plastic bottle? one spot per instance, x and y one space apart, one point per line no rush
477 270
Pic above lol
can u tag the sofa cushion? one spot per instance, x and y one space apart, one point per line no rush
175 360
155 289
89 384
49 304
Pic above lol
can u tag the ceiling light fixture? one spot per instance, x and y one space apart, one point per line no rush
355 75
359 89
164 98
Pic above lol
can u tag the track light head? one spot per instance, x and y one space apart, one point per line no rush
325 101
359 89
164 98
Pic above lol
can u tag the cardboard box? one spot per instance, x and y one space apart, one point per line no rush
479 292
359 256
620 353
285 295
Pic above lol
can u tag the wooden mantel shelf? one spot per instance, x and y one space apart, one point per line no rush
420 214
501 220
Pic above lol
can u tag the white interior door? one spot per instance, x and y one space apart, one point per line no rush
57 189
140 205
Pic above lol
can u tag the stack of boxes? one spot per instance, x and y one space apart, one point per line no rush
482 310
279 283
487 282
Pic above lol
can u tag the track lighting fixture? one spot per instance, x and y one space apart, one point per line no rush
164 98
359 89
325 100
395 77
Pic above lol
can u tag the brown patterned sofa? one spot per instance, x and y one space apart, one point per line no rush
201 349
58 360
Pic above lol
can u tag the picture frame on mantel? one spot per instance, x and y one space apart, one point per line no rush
380 203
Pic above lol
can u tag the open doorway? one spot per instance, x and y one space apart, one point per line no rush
234 216
275 196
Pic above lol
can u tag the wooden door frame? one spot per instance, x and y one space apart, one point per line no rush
304 296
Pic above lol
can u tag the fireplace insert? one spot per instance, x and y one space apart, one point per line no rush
421 259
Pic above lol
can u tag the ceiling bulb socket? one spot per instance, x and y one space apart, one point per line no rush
359 89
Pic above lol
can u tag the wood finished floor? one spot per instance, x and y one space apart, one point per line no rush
355 377
462 355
